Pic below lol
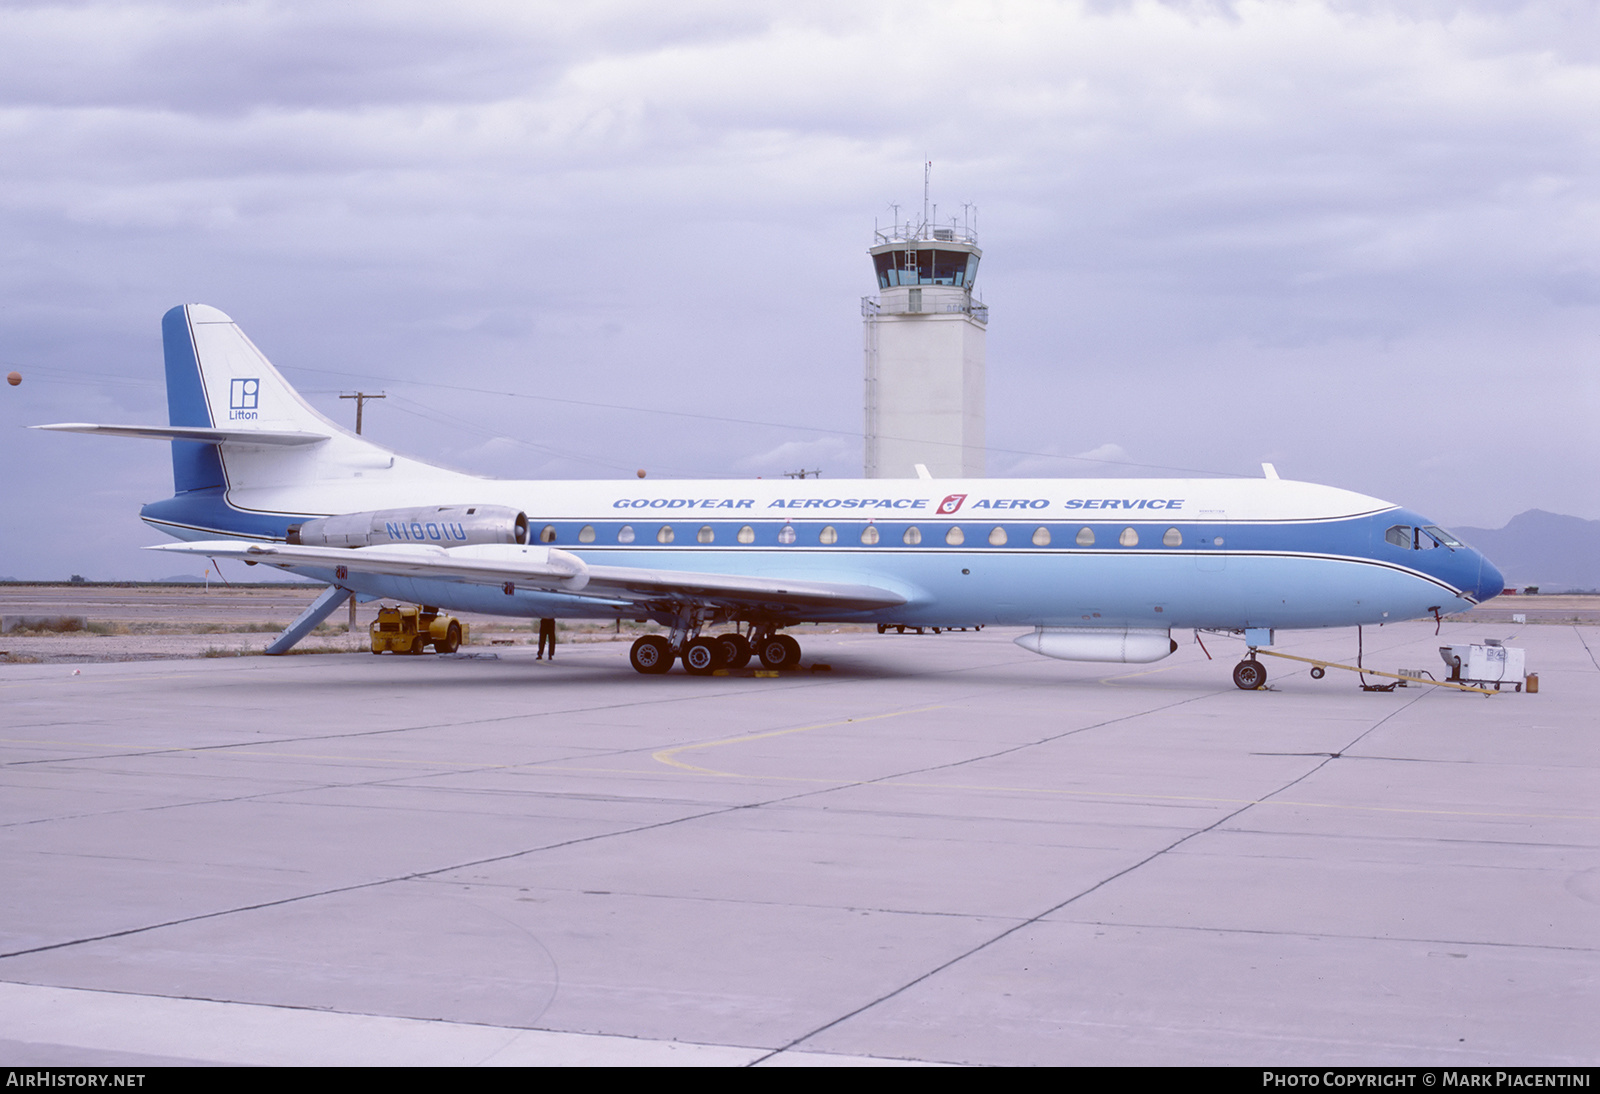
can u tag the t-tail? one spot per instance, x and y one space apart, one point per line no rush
218 380
249 454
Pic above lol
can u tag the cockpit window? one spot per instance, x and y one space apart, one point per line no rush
1420 539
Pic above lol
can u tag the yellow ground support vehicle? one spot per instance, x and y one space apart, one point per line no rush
413 630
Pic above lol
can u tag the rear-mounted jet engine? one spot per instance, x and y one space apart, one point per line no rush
442 525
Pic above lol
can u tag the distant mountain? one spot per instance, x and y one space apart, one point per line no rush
1544 549
181 579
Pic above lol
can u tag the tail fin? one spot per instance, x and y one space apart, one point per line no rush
216 377
195 466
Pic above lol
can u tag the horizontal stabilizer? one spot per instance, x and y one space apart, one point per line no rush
550 568
204 434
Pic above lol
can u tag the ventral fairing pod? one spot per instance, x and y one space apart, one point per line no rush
1123 645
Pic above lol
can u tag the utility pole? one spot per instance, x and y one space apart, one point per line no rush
361 398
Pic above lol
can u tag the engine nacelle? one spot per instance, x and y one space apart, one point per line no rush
441 525
1120 644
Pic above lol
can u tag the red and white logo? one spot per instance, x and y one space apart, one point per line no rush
951 504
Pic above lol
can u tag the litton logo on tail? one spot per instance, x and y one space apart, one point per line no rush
951 504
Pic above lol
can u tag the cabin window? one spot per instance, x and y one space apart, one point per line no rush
665 534
1173 538
547 534
705 535
1041 536
1129 537
828 536
786 535
586 534
747 534
912 536
869 535
625 534
1085 537
954 537
997 537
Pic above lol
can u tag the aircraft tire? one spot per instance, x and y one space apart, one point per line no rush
651 655
1249 675
702 656
772 653
736 651
780 652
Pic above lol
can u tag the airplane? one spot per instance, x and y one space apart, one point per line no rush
1100 570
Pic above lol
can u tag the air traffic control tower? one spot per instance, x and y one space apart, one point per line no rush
924 347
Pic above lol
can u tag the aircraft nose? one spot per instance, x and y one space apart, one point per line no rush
1491 582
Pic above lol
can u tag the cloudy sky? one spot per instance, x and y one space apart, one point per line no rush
1359 240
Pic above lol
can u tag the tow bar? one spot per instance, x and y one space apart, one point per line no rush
1318 666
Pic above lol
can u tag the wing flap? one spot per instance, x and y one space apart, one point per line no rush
555 570
629 583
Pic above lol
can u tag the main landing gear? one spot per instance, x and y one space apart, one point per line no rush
654 654
1250 674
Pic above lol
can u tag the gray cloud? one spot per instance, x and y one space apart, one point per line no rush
1355 239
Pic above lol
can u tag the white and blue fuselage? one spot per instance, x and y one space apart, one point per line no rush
253 462
1207 553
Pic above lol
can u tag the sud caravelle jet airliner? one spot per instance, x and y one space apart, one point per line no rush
1101 570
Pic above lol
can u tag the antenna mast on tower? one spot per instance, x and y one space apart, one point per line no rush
927 178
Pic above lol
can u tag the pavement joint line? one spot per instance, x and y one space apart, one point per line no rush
246 1025
1102 883
1586 648
1007 933
891 782
1339 936
156 750
412 876
336 890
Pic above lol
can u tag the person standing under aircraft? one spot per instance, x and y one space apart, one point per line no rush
547 635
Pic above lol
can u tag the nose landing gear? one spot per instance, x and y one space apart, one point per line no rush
1249 675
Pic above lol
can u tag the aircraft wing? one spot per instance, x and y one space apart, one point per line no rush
555 570
204 434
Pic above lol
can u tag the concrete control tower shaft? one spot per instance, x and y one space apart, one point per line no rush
924 353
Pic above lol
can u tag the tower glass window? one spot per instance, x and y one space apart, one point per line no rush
925 267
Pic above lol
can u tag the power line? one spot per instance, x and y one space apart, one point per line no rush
734 421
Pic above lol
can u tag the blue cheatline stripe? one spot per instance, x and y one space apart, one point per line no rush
207 510
203 513
195 466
